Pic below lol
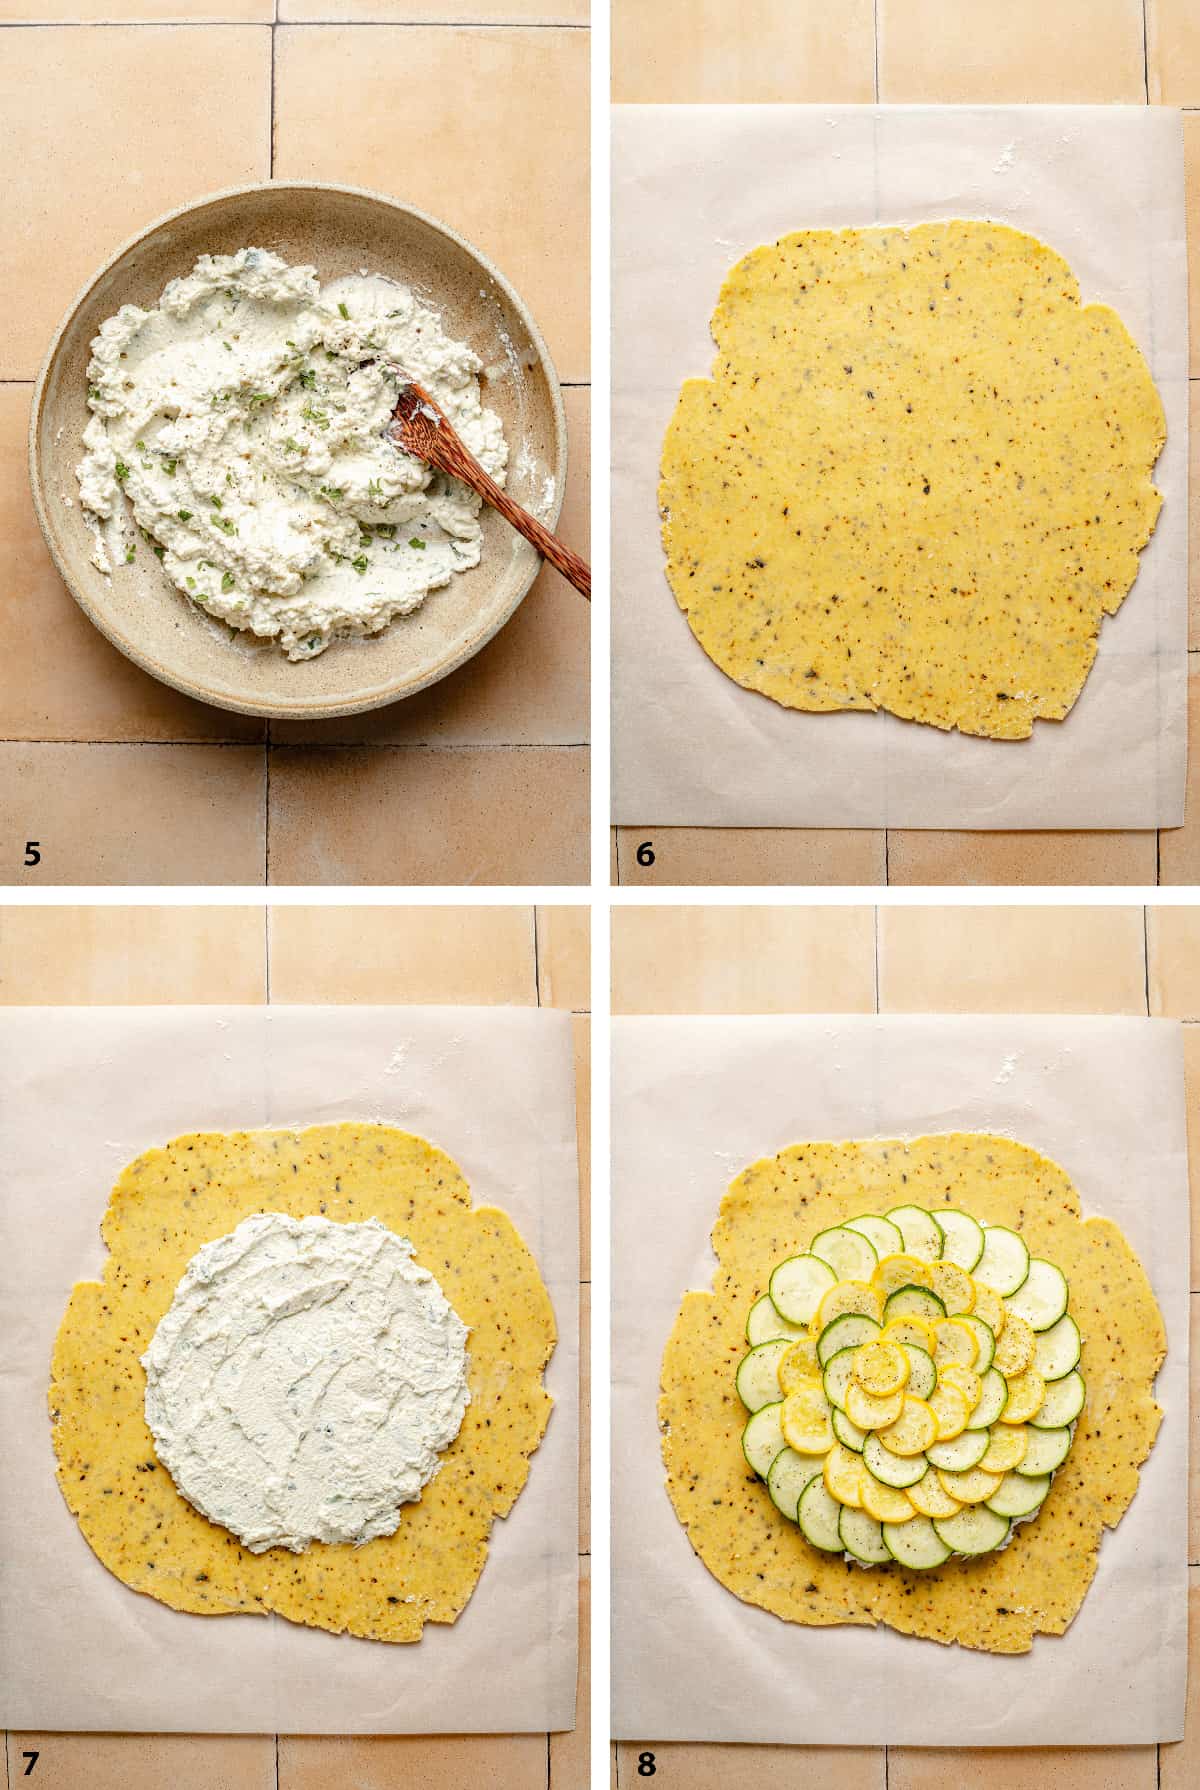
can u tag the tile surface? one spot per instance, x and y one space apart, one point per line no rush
1011 960
1179 848
417 815
801 857
569 1762
743 960
564 957
711 1767
581 1031
511 168
1173 937
1017 1768
1191 175
61 678
184 112
1179 1763
131 956
1173 52
1191 1071
476 956
492 12
138 12
762 50
133 814
985 860
1194 1440
434 1761
1011 51
144 1761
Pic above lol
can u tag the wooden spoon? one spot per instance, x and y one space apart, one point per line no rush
422 428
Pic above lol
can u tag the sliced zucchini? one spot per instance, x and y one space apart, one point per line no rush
1056 1351
913 1302
992 1399
922 1374
962 1239
1018 1496
892 1469
838 1370
845 1332
1061 1404
1041 1299
764 1324
1045 1452
847 1433
961 1453
915 1544
762 1438
818 1514
758 1374
1004 1262
789 1474
862 1536
921 1231
974 1531
851 1255
798 1285
986 1339
880 1233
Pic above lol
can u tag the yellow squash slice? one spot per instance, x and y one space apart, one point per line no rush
951 1411
1025 1395
955 1343
1006 1448
914 1430
881 1368
953 1286
896 1271
1014 1350
989 1307
884 1502
849 1296
914 1331
972 1487
931 1498
964 1380
805 1421
799 1366
844 1473
872 1413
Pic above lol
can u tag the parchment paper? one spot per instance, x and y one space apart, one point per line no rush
695 188
694 1100
83 1091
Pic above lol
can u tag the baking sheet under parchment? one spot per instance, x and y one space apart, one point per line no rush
694 189
82 1092
694 1101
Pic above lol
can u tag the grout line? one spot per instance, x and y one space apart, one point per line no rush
1146 957
886 1769
326 745
267 810
537 974
1145 52
291 24
133 745
617 852
548 1760
271 115
277 1762
887 858
875 32
267 946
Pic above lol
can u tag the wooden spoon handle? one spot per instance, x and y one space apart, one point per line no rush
573 569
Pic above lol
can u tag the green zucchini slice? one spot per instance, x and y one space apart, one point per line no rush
962 1239
922 1374
798 1286
913 1302
1062 1404
1004 1262
893 1469
915 1544
992 1399
862 1536
1041 1299
817 1515
845 1332
764 1324
975 1530
758 1374
762 1437
790 1473
961 1453
921 1232
836 1377
1057 1350
851 1255
880 1233
1045 1452
1016 1496
985 1336
847 1433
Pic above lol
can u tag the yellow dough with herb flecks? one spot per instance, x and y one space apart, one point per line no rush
917 480
167 1204
999 1601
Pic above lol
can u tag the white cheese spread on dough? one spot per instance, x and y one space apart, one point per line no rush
305 1381
243 420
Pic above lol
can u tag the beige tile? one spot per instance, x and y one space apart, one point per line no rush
1179 847
710 1767
145 1761
435 1762
799 857
1173 52
1173 938
1011 960
529 686
707 50
136 12
1191 1073
569 1764
170 114
131 956
1193 515
614 1755
480 956
997 51
585 1407
1191 178
446 12
989 859
581 1032
132 814
1179 1763
564 947
418 815
1194 1432
1016 1768
743 960
508 112
83 689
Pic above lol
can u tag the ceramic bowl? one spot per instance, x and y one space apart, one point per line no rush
338 230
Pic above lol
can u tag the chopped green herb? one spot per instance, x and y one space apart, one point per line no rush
140 446
169 467
184 515
345 313
158 552
315 416
308 378
386 529
223 522
228 345
313 641
374 489
191 583
416 541
360 564
293 447
120 472
130 554
260 397
215 502
227 581
330 354
93 391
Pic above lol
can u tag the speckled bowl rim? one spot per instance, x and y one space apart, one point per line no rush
378 696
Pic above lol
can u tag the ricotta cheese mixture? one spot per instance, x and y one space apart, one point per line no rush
305 1380
243 419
